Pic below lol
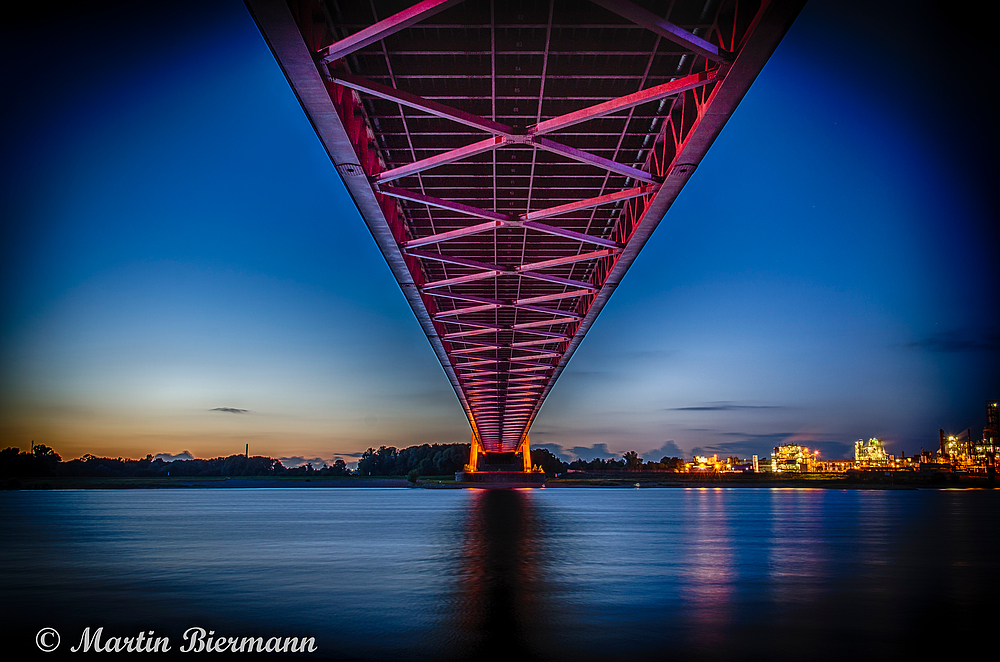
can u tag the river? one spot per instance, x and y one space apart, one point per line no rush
549 574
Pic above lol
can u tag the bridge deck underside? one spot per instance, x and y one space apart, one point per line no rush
511 158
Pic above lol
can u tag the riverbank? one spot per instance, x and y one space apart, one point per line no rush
112 483
879 481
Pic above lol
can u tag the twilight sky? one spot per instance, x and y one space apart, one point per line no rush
182 269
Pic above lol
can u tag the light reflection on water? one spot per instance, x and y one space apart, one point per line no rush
560 574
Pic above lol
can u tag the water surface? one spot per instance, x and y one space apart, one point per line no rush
553 574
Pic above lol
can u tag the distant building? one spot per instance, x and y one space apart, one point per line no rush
705 463
985 452
871 454
966 453
712 464
835 466
792 458
736 465
956 446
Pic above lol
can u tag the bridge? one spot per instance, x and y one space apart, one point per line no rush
511 158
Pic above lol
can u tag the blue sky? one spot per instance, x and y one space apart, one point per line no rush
176 243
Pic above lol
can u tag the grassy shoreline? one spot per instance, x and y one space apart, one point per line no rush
645 480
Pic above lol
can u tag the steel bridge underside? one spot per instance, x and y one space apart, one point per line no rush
512 158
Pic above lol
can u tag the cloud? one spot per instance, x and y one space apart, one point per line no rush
958 340
772 438
167 457
555 449
748 443
593 452
298 461
231 410
668 449
723 406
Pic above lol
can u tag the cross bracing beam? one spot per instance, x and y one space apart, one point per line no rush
547 366
481 347
420 103
501 220
452 259
536 357
540 309
498 141
493 306
483 325
521 405
437 160
589 203
533 343
594 160
559 280
504 134
664 28
493 270
476 362
452 234
466 311
570 234
447 294
445 204
460 334
548 334
385 27
568 259
462 279
460 143
553 297
655 93
558 320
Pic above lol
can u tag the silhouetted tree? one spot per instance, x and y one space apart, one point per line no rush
549 462
427 459
339 468
41 461
672 463
597 464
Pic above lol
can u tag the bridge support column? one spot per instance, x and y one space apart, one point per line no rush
525 451
474 451
499 469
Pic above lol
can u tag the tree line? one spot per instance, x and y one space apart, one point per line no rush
425 460
413 461
43 461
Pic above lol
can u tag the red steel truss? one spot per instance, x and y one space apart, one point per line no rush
512 158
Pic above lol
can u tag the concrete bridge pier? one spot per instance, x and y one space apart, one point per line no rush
501 469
